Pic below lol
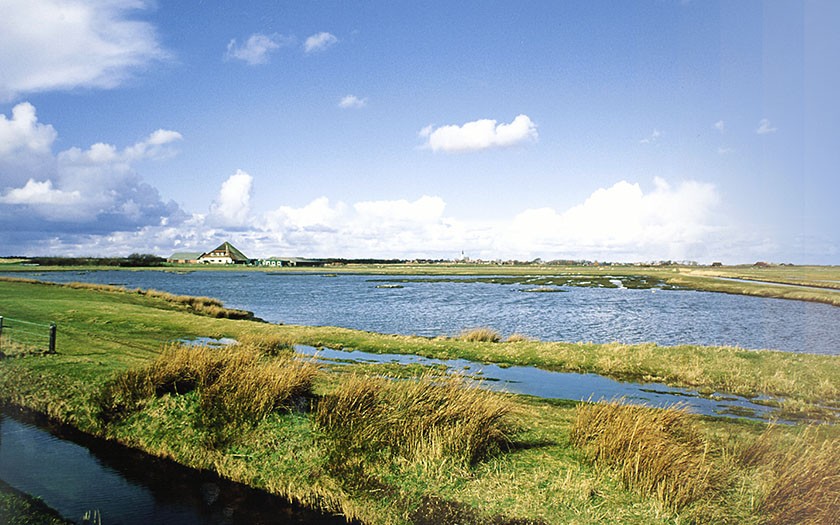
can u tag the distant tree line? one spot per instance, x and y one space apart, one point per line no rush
135 260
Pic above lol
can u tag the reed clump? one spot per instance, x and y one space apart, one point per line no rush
802 476
432 418
267 344
480 335
656 452
235 385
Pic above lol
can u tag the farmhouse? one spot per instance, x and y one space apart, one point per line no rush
184 257
224 254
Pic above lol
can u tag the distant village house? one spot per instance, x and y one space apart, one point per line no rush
224 254
184 257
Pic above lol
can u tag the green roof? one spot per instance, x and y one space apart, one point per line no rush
185 256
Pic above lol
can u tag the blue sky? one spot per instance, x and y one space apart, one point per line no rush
622 131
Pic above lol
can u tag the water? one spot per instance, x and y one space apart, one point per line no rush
600 315
563 385
73 474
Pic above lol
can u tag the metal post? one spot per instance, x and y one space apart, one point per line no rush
52 338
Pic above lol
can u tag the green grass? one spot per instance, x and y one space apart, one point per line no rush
17 508
529 471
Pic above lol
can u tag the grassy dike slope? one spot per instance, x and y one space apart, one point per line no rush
542 478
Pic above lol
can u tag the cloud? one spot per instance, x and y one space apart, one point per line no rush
764 127
319 42
654 137
66 44
233 204
352 101
623 222
40 193
256 49
480 135
720 126
725 151
94 190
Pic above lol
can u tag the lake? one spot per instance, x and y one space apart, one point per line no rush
430 308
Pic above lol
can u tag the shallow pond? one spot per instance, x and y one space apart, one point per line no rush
433 307
562 385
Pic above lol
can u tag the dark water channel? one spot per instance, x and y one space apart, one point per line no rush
74 473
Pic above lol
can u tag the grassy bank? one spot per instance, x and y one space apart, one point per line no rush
533 461
17 508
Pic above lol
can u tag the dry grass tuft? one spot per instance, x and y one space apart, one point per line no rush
480 335
518 338
803 477
429 419
657 452
236 385
268 345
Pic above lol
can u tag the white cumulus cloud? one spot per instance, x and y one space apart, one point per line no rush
256 49
720 126
623 221
40 193
48 45
93 189
479 135
352 101
764 127
233 204
319 42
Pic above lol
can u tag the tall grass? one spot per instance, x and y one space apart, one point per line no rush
656 452
235 386
482 334
802 477
429 419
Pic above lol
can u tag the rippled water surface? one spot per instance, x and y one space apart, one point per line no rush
667 317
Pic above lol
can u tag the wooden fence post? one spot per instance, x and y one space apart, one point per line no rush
52 338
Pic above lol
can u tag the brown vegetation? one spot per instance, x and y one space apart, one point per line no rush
483 334
235 385
431 418
657 452
801 476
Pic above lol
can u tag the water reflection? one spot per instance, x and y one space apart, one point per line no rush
73 473
563 385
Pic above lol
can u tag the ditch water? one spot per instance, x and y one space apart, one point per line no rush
429 307
74 473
